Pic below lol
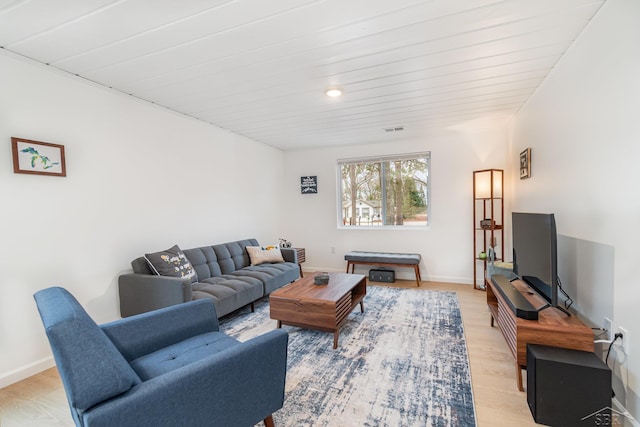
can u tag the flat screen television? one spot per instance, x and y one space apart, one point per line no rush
535 254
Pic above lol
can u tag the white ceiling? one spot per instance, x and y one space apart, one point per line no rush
260 67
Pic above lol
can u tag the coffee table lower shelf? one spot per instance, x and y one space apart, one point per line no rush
319 307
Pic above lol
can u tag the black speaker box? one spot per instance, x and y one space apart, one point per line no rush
568 387
382 275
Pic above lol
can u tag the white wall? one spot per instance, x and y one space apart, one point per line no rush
139 179
446 248
582 126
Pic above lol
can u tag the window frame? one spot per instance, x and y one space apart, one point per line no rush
380 159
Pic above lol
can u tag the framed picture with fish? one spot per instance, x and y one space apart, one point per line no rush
36 157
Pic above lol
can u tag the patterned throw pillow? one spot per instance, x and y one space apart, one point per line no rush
171 262
260 255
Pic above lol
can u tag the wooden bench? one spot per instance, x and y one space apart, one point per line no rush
384 259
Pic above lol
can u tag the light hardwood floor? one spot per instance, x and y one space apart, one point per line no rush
40 400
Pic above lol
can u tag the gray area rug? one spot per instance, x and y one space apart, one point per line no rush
403 362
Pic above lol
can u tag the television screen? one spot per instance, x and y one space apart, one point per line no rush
535 253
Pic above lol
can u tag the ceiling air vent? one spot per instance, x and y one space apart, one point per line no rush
394 129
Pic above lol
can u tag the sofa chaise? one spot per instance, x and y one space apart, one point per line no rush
224 273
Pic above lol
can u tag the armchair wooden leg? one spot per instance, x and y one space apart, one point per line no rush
268 422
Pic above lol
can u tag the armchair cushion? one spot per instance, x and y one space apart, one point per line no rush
181 354
237 387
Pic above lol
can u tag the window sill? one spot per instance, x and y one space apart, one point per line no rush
385 227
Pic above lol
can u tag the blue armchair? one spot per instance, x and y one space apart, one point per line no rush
167 367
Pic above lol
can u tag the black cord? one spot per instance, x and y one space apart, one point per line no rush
569 301
615 337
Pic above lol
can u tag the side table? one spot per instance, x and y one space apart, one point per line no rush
301 257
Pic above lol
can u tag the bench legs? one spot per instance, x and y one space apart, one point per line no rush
268 422
350 264
418 277
416 268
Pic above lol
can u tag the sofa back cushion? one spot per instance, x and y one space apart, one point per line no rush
204 261
216 260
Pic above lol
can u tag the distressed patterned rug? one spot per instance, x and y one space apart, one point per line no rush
403 362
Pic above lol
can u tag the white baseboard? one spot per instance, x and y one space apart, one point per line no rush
26 371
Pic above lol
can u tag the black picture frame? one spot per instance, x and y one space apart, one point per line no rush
308 184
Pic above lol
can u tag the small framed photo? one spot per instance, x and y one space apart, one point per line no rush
37 157
525 164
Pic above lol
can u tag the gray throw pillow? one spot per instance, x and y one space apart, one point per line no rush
171 262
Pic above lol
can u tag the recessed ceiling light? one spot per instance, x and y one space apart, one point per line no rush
333 92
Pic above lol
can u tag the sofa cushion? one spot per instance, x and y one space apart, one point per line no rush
171 262
232 256
181 354
228 292
272 276
216 260
204 261
259 255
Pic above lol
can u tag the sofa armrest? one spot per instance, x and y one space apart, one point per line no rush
289 255
145 333
140 293
239 386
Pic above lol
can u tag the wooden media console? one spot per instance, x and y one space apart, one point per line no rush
553 327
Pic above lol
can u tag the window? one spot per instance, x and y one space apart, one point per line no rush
388 191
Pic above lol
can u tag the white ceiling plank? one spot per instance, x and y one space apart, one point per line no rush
25 19
239 15
115 24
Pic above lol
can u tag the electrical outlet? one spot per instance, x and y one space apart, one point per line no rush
625 339
333 249
608 328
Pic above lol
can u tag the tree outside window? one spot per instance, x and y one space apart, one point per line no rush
385 191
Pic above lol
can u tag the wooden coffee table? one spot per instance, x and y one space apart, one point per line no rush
321 307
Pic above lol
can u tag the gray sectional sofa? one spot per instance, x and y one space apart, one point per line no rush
223 273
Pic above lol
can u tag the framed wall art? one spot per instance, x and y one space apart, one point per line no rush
525 164
309 184
37 157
